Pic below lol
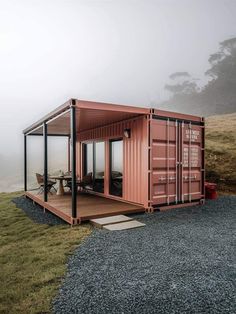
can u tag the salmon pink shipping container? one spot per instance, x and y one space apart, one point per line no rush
128 159
177 158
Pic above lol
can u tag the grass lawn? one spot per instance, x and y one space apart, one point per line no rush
32 258
221 151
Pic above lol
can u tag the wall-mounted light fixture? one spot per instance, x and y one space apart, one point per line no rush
127 133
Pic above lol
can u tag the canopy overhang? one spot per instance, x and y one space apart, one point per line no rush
89 115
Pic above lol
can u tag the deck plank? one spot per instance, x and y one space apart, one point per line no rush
89 206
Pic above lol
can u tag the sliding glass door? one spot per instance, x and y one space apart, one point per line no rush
88 159
88 165
116 167
99 166
94 165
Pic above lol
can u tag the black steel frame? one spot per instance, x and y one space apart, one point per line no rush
45 134
25 162
94 164
45 144
73 161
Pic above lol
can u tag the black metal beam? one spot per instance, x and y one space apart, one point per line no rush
94 164
25 163
45 140
56 135
73 159
68 155
84 159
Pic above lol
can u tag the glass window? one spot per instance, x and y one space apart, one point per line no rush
99 166
116 160
88 150
99 158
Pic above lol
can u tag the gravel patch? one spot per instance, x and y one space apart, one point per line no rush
182 261
36 213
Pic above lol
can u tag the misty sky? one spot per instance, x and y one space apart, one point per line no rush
111 51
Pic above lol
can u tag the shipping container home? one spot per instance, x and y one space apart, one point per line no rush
121 159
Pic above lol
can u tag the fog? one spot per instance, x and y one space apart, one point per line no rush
111 51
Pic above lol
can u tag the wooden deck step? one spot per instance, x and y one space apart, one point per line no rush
124 225
100 222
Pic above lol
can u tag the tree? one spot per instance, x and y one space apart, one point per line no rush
179 75
223 62
183 84
218 95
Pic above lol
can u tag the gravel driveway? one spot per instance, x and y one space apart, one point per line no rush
182 261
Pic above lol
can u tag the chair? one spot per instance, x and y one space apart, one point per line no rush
68 173
98 182
86 181
40 180
116 183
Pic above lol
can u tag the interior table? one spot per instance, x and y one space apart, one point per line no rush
60 179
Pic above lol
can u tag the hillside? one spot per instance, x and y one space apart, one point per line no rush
221 151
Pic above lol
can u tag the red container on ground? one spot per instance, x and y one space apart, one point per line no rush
210 190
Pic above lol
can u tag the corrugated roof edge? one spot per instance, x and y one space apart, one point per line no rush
84 104
177 115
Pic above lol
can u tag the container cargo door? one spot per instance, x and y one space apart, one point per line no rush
191 162
176 162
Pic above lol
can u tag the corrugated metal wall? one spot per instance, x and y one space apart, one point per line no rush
135 156
177 161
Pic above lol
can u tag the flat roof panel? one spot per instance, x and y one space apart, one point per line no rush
90 115
83 104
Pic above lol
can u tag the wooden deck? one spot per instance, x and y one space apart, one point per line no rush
88 206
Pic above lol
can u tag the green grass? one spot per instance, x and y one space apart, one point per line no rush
221 151
32 258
